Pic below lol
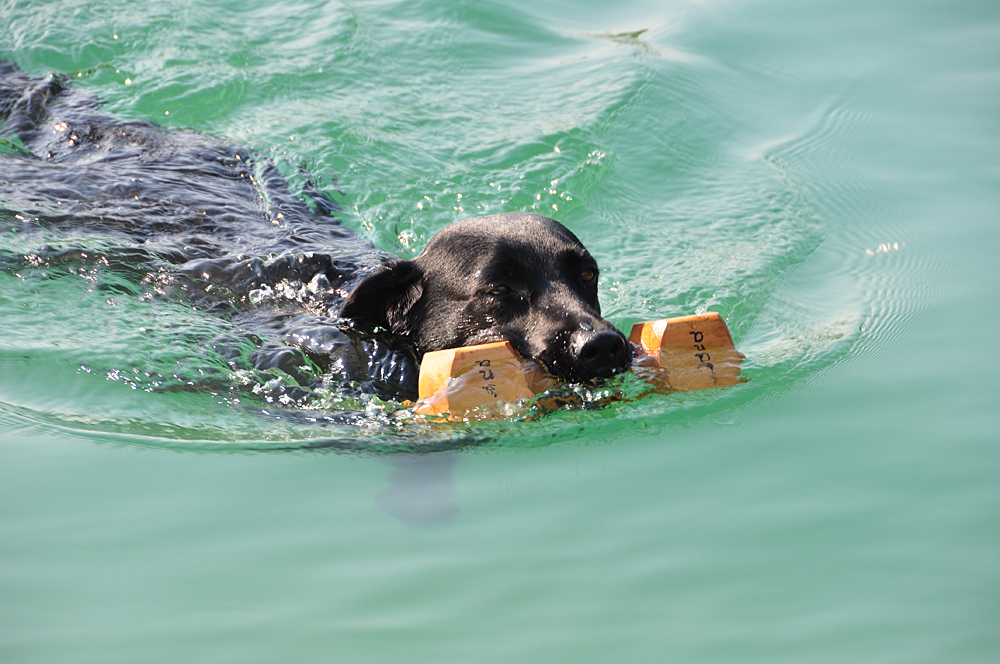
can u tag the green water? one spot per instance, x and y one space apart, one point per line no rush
825 175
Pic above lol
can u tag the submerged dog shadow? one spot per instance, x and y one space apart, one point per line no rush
421 491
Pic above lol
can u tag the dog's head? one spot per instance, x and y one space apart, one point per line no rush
518 276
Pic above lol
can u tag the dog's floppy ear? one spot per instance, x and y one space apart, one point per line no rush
386 297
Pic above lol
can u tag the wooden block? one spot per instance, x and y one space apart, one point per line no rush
687 353
459 380
675 354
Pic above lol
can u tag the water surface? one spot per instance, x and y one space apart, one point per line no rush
823 175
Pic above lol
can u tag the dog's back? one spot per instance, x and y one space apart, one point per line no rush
196 219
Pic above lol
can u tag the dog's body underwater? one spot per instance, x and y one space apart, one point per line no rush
207 222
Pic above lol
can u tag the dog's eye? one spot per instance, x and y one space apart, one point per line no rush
588 275
500 290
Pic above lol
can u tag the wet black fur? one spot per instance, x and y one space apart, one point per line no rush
211 223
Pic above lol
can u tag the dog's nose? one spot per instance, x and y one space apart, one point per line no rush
599 354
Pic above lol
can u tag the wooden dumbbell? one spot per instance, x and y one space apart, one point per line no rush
673 354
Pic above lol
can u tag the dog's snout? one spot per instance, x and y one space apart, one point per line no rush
599 354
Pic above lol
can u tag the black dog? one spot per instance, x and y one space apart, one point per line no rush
187 216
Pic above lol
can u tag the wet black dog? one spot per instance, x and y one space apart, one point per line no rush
188 216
